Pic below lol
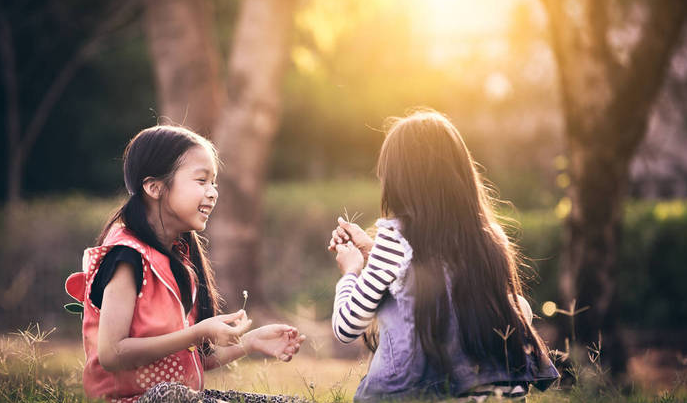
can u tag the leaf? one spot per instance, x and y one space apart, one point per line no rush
74 308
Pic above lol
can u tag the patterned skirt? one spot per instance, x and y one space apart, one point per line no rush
172 392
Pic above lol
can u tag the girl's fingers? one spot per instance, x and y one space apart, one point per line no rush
342 233
240 328
285 330
296 349
231 317
342 223
348 226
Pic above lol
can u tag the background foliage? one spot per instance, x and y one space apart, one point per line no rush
299 272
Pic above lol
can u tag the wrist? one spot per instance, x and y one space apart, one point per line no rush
198 334
248 342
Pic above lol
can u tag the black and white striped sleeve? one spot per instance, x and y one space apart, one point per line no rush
357 297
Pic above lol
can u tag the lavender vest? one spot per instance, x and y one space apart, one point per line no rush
399 368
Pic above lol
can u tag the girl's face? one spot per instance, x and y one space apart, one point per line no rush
192 194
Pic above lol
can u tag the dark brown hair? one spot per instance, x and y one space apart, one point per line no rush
157 152
430 182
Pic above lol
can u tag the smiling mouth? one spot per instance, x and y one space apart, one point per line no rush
205 210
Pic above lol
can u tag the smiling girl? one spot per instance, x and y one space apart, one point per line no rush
151 324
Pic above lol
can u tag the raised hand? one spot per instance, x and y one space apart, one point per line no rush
349 258
347 231
223 330
280 341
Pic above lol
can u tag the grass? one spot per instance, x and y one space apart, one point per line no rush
31 370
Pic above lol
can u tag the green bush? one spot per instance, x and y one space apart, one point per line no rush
651 263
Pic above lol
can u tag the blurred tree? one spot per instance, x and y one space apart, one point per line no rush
103 23
185 58
608 82
244 120
244 134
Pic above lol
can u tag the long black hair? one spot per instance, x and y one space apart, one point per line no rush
157 152
430 182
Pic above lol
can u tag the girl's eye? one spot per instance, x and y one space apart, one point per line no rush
201 180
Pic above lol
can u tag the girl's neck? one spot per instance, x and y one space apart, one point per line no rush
166 240
165 235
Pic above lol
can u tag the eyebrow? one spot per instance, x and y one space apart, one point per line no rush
203 170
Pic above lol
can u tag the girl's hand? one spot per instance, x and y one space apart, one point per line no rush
223 330
347 231
280 341
349 258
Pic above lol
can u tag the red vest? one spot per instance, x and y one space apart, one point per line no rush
158 311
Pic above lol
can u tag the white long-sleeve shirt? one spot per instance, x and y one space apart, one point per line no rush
357 297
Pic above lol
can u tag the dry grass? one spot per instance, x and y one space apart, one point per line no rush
302 376
34 370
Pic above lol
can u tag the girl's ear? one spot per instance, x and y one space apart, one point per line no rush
152 187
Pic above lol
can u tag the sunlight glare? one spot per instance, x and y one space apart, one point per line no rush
446 27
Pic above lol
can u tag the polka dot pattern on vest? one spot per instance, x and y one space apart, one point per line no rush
168 369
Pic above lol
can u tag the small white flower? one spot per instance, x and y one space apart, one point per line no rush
245 298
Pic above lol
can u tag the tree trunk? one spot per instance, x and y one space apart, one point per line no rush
591 243
606 106
244 135
186 62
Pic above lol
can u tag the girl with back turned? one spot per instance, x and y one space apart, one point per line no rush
440 278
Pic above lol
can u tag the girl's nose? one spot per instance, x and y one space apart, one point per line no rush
212 193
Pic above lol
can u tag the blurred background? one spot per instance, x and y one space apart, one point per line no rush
575 111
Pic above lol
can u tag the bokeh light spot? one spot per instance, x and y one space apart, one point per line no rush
560 162
563 207
563 180
549 308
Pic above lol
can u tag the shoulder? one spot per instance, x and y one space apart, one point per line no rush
526 309
123 253
389 229
389 238
119 235
390 224
119 256
114 257
393 249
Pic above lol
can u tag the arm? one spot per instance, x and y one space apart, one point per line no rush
117 351
224 355
359 295
280 341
